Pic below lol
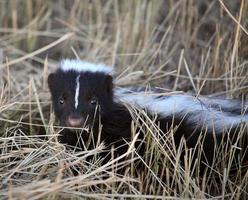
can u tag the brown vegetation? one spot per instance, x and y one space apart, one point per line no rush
183 45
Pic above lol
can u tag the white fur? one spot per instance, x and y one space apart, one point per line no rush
199 108
82 66
77 91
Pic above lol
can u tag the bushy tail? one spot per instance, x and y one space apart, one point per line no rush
213 114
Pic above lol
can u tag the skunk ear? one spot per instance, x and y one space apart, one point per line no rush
50 80
109 83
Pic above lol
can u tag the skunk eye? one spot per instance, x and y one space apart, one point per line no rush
93 101
61 101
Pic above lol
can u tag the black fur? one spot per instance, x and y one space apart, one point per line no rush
97 85
115 117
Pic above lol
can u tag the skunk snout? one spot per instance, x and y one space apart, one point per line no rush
75 121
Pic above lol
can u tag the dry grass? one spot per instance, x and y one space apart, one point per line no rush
184 45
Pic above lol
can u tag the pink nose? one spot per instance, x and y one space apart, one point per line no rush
75 122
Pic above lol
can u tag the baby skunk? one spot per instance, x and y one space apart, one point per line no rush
83 96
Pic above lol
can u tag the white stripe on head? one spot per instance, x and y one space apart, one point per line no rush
77 91
82 66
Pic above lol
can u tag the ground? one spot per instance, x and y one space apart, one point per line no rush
200 47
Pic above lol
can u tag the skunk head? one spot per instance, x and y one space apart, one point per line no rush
81 92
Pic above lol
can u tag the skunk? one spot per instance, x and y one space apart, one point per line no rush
83 95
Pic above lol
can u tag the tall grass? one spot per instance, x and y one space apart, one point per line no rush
185 45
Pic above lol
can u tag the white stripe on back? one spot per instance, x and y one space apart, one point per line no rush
77 91
199 108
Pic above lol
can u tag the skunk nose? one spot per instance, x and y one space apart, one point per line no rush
75 121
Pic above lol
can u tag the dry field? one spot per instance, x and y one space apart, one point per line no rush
199 47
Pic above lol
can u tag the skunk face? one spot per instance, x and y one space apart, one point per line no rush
80 98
